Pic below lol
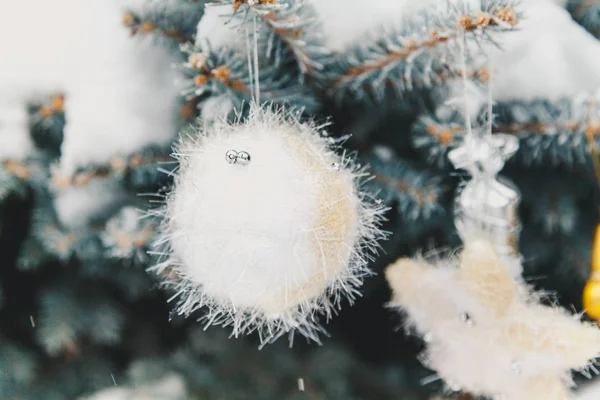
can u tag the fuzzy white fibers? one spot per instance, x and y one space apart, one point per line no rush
170 387
269 245
486 332
120 92
590 391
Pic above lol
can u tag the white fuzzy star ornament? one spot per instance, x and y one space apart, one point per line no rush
266 227
487 333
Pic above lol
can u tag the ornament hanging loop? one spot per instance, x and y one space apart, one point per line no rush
486 206
235 157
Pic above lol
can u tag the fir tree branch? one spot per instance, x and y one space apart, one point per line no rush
47 121
138 25
17 176
553 208
174 23
418 195
434 136
289 29
124 236
71 312
550 133
417 53
224 72
128 236
17 169
554 133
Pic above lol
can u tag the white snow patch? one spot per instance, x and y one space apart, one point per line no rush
120 92
75 206
551 56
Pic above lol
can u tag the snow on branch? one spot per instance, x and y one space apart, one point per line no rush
125 236
419 53
289 31
137 170
47 122
176 23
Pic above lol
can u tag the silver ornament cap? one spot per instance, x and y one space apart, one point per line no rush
243 158
231 156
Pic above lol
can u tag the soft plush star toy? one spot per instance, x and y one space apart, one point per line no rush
487 333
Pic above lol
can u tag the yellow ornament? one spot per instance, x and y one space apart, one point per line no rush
591 293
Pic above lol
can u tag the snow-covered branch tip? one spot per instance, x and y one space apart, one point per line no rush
120 167
125 236
419 53
289 32
54 107
224 73
47 122
138 25
172 23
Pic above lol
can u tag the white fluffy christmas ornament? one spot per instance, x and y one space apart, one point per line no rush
486 332
266 226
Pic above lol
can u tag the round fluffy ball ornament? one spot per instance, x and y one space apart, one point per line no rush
266 226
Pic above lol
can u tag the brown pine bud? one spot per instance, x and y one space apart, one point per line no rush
82 179
238 85
136 161
201 80
198 60
46 112
483 20
147 27
508 15
446 137
128 19
222 74
118 164
17 169
466 22
188 111
58 104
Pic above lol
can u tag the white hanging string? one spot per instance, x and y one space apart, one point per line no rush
463 60
256 73
490 100
250 68
252 55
